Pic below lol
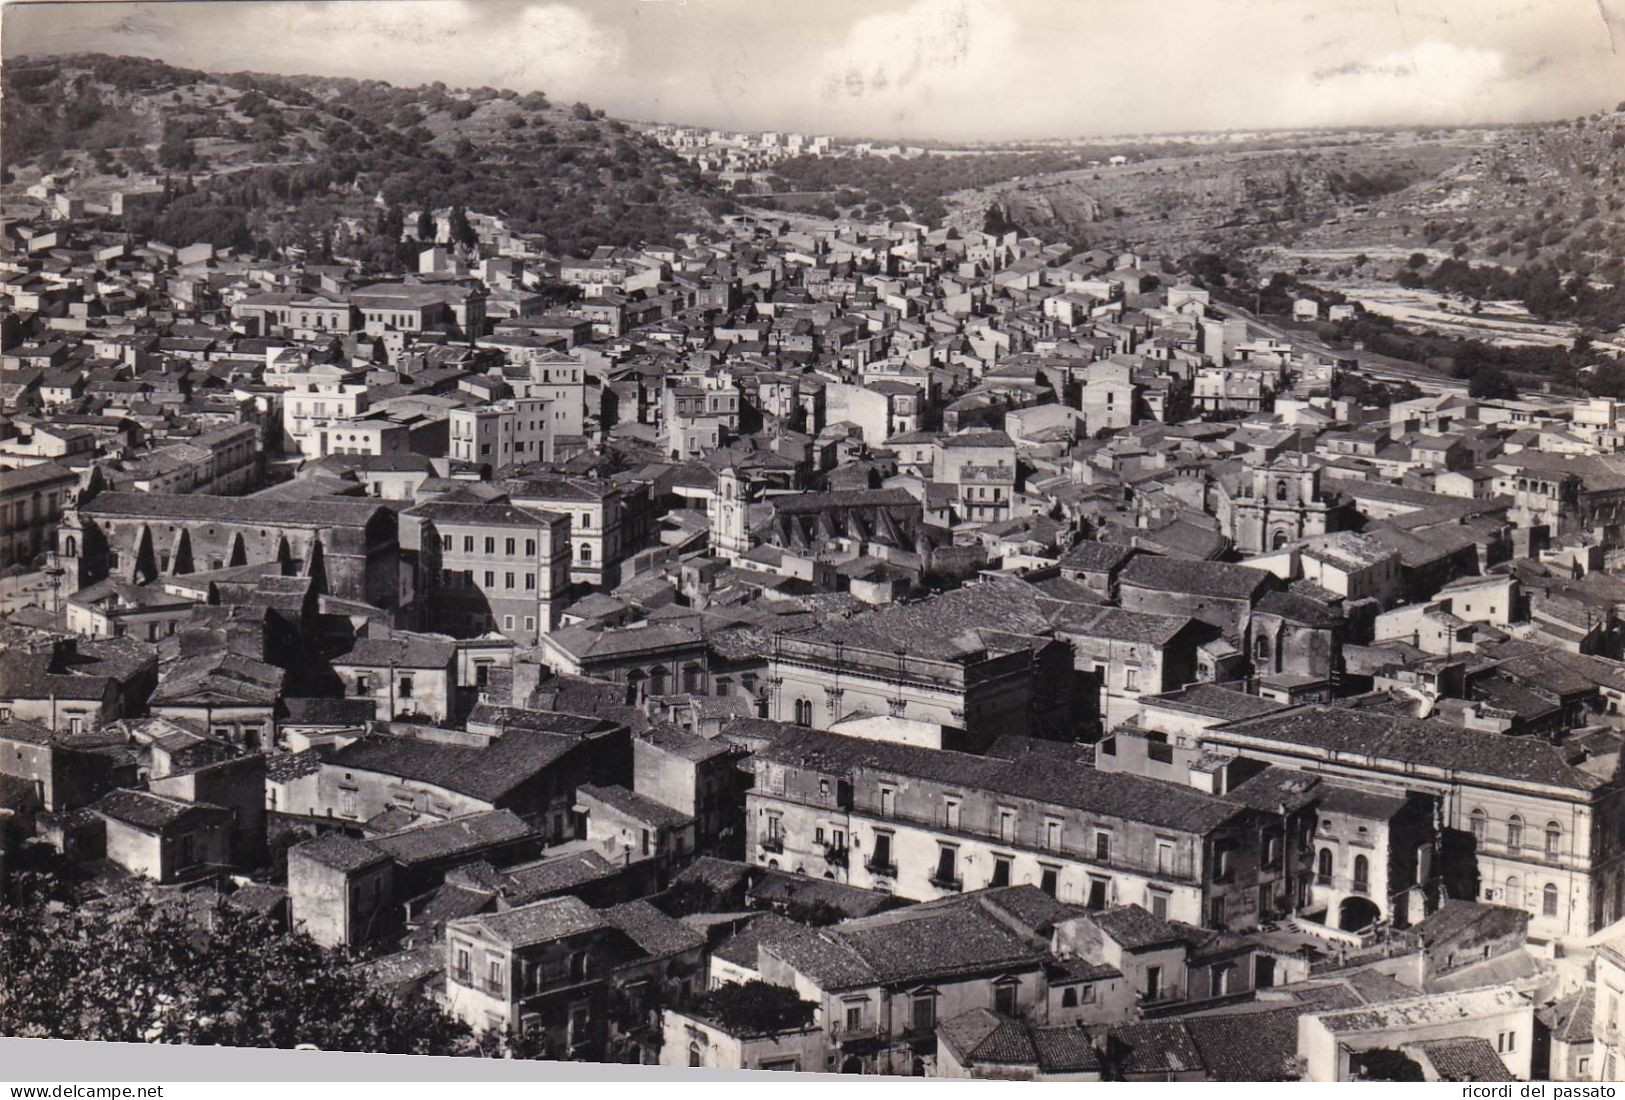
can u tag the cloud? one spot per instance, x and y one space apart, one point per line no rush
933 56
1432 81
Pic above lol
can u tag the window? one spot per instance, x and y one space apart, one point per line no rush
888 799
1548 901
407 685
507 547
1159 904
445 543
1362 874
586 553
854 1016
530 548
923 1016
947 867
1049 881
1153 983
950 813
490 579
1001 871
695 1058
507 581
1004 997
1554 839
1103 846
1052 835
530 582
1280 490
1221 864
490 546
468 544
1069 997
1506 1042
461 973
1216 913
1099 892
803 712
1323 870
1165 857
1007 824
1479 822
881 858
1514 894
1131 679
493 980
507 622
1514 833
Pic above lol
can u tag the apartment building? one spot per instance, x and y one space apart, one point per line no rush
502 434
595 507
495 566
926 824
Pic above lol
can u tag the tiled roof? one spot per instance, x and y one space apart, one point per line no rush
983 1036
1248 1046
146 810
1468 1058
636 806
539 922
1202 578
1135 928
459 836
656 933
1064 1050
1060 782
340 853
486 773
326 512
1416 741
1154 1047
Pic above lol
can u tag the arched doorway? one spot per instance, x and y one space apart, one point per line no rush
1357 913
853 1064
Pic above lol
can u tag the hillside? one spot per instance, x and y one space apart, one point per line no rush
260 161
1215 198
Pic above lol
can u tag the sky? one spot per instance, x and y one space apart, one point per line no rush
940 70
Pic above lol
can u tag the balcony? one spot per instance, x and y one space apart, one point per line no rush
835 856
463 977
1360 887
772 844
946 882
881 867
495 989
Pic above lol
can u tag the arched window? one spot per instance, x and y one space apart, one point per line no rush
1480 824
1362 873
1261 648
1548 901
1514 833
695 1058
1280 490
657 681
1278 541
70 547
804 712
586 553
1514 895
1324 871
1554 838
634 687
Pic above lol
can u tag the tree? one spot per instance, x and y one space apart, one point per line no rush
755 1008
426 225
220 978
1417 261
1493 384
461 231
